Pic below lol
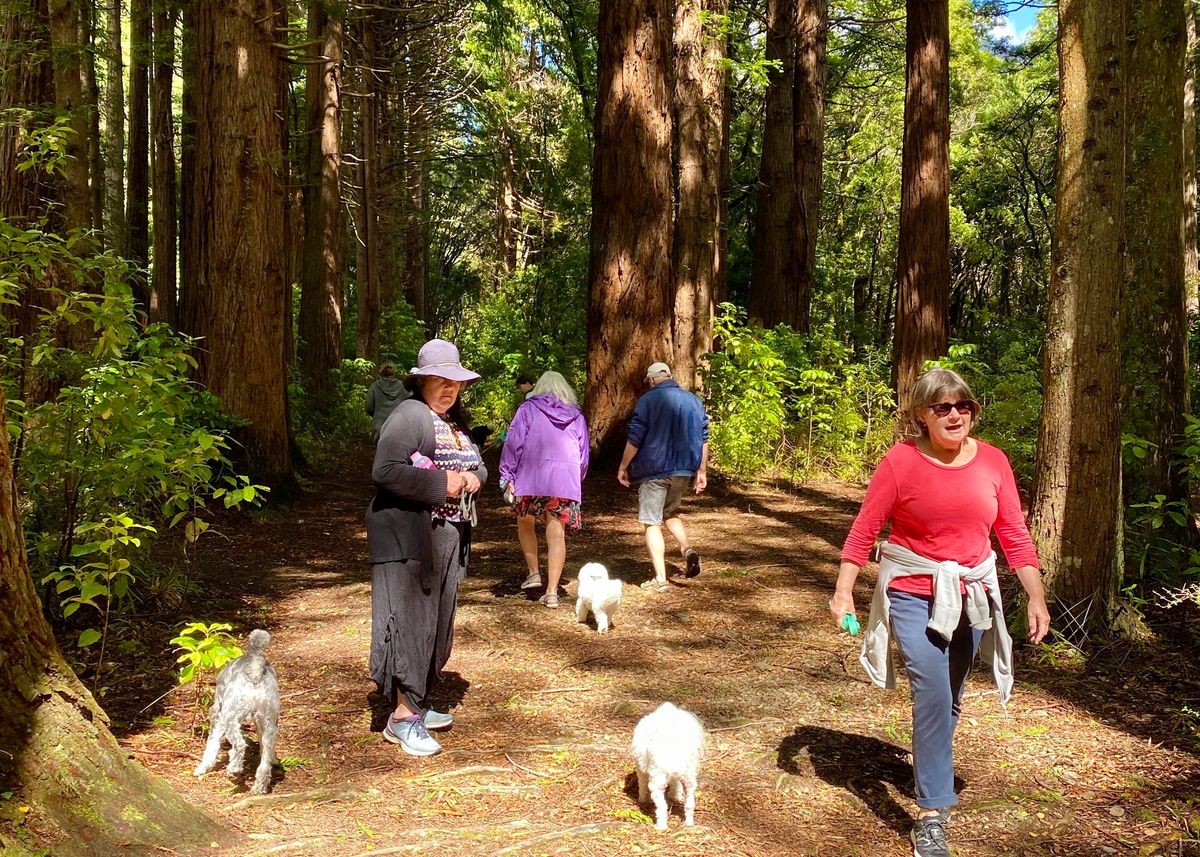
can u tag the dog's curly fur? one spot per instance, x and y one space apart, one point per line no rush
598 594
247 692
667 744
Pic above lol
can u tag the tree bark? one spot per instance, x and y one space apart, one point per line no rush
1191 249
189 249
808 148
91 100
699 104
367 268
1076 509
415 218
137 212
323 264
26 82
772 296
162 131
59 756
1154 362
68 98
629 278
238 212
116 236
923 258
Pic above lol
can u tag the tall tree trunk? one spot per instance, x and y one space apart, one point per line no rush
26 82
324 227
629 277
137 212
116 236
1191 249
1154 362
923 257
699 102
238 212
189 247
808 147
367 267
59 756
772 293
91 99
1076 509
416 200
162 132
68 98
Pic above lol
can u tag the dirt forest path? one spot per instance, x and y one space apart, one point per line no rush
803 756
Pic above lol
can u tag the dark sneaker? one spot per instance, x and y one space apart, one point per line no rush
412 736
534 581
438 719
693 564
929 836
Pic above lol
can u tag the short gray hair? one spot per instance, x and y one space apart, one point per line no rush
934 386
554 384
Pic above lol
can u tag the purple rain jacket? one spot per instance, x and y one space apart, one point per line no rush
546 451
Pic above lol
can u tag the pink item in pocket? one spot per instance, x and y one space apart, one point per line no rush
422 461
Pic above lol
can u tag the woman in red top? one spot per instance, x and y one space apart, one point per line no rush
944 493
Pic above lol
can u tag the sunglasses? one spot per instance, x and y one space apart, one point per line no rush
964 406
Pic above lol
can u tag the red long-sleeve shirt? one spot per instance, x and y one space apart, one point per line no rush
942 512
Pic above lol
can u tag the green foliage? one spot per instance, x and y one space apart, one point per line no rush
204 649
341 417
792 404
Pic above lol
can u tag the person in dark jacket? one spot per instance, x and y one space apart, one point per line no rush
544 462
426 475
666 451
384 395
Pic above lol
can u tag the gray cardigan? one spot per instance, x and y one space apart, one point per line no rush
398 521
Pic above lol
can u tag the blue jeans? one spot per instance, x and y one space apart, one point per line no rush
937 671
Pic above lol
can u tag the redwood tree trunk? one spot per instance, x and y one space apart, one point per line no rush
26 82
772 296
189 250
323 264
238 209
923 257
116 237
699 104
1191 250
58 756
162 131
1076 510
1154 363
368 281
68 97
808 148
137 212
91 99
629 278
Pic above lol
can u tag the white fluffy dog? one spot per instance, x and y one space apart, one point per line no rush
597 593
666 750
247 692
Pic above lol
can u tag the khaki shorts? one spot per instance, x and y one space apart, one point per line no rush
659 499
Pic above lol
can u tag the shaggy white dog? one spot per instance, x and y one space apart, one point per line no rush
247 692
597 593
666 750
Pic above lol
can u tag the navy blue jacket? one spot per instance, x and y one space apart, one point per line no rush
669 429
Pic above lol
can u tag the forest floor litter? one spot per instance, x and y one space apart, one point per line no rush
803 755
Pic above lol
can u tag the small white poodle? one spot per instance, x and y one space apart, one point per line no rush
666 749
597 593
247 692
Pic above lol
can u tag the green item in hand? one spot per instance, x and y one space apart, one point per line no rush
850 623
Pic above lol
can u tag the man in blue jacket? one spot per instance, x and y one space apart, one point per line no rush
667 449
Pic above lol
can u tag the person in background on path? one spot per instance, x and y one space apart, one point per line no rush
667 449
937 593
543 465
383 396
426 475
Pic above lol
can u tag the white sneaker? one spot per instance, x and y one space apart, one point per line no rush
438 719
412 736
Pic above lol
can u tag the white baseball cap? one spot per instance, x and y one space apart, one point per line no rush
656 369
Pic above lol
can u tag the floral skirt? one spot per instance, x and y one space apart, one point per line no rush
566 511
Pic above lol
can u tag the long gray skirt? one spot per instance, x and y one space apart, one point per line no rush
412 628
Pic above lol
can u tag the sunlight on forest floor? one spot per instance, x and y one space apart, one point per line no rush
803 756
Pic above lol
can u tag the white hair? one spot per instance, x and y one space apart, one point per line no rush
554 384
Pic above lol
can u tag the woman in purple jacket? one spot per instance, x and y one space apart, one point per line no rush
544 461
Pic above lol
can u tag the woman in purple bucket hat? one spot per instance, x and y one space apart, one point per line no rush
426 474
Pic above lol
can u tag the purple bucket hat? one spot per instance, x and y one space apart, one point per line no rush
439 357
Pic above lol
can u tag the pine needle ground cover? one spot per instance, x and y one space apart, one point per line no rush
803 756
